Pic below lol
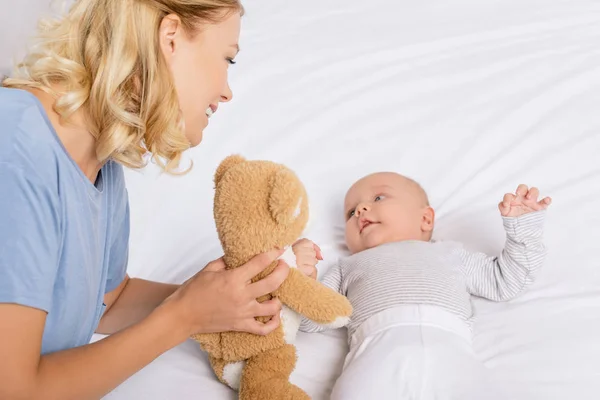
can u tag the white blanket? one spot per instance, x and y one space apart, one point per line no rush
470 98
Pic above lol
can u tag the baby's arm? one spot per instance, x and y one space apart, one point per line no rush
503 278
333 280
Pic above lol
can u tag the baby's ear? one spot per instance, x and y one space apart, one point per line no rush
428 219
286 199
225 165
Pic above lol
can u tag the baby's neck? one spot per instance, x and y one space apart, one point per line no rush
425 240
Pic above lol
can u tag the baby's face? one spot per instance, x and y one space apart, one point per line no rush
386 207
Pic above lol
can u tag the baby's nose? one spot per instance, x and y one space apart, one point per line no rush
361 208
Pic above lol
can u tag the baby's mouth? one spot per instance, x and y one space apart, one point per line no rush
366 224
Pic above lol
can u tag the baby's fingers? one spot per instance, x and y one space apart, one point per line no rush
533 194
308 270
545 202
504 210
522 190
508 199
319 253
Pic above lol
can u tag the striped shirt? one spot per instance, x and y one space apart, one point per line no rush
435 273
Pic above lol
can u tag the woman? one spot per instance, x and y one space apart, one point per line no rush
111 81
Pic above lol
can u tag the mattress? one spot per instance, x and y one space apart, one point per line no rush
470 98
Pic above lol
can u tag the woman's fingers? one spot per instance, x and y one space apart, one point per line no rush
259 328
216 265
258 264
270 283
268 308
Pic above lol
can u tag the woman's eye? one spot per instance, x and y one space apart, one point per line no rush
231 61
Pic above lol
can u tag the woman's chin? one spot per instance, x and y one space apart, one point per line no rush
195 138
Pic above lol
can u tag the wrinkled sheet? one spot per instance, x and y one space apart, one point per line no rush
469 98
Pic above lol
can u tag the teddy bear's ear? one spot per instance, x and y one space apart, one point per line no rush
226 164
285 201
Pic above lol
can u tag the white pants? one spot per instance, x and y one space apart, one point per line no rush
414 352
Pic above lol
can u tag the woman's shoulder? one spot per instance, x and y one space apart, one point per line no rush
26 136
14 105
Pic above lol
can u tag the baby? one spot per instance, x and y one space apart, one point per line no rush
410 333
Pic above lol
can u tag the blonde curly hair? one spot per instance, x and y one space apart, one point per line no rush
106 56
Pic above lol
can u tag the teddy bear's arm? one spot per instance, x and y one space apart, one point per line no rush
314 300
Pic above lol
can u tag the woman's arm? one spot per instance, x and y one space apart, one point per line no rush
87 372
91 371
132 301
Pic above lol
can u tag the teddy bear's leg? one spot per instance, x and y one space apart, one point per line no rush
218 365
236 346
229 373
267 376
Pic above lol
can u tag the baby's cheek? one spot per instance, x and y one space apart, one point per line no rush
353 241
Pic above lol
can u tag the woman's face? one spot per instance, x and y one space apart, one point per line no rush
199 66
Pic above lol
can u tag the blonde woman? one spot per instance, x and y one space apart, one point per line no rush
110 82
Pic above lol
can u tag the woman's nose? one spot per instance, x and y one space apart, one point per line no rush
227 94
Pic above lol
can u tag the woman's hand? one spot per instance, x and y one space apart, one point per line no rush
220 300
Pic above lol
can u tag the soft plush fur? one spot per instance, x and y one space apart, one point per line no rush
259 206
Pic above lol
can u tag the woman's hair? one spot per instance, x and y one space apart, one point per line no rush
106 56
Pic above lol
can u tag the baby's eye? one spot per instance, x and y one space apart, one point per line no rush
379 198
351 214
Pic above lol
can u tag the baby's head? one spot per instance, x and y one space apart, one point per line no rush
386 207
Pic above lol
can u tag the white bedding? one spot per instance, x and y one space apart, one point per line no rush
470 98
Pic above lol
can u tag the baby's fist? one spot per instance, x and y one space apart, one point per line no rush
523 201
308 255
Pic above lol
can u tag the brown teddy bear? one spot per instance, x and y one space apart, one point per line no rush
259 206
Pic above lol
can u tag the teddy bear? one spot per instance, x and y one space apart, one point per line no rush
258 206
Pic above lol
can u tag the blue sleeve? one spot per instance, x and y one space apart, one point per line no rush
119 251
29 239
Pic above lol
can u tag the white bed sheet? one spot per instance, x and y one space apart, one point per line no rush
470 98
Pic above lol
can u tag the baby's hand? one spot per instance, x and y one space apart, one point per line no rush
308 255
524 201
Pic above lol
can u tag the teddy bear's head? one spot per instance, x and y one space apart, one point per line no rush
258 206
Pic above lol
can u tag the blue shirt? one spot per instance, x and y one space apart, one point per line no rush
63 239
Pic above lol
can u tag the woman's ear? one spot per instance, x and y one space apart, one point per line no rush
428 219
168 33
